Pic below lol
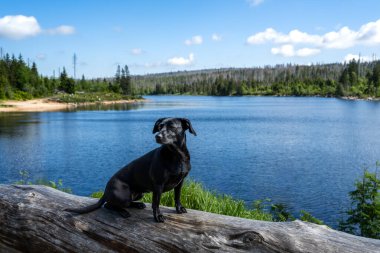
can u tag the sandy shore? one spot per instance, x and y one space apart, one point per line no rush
45 105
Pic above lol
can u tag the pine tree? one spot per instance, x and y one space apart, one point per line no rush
66 84
376 77
115 86
83 83
118 75
125 81
129 81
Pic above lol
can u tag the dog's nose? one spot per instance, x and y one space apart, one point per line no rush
158 137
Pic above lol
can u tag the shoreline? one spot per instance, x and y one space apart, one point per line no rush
362 99
49 105
353 98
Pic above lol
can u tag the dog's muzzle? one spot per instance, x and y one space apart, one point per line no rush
159 138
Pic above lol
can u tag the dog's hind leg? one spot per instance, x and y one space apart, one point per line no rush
119 197
124 213
138 205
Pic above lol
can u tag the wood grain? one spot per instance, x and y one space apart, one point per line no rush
32 220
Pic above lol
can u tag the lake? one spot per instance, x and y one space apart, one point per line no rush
304 152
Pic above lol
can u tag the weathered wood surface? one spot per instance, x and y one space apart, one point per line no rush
32 220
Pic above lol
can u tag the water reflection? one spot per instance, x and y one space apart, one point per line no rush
18 124
109 107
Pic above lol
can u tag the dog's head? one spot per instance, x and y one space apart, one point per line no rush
172 130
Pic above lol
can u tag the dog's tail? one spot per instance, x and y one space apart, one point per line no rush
87 209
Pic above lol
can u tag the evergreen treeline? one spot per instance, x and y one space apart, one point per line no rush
20 81
361 79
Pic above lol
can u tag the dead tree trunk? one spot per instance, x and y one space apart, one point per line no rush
32 220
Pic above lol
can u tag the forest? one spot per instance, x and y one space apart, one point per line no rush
355 78
19 81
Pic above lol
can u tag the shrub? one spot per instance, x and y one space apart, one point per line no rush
364 214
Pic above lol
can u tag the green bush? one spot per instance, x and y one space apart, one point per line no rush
21 95
364 214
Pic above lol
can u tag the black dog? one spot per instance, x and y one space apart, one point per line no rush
158 171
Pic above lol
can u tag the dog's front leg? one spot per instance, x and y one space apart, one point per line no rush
156 203
177 198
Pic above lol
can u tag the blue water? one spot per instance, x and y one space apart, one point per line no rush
305 152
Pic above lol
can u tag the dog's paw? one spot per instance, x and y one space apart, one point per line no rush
180 209
159 218
139 205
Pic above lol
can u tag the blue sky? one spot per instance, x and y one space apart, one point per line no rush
161 36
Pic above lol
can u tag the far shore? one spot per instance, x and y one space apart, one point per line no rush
47 104
51 104
357 98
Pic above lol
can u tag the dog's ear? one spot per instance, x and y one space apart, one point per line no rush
158 122
186 124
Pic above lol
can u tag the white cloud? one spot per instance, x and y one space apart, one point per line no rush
195 40
61 30
370 32
216 37
259 38
254 3
137 51
41 57
294 36
288 50
285 50
20 27
344 37
350 57
181 61
304 52
341 39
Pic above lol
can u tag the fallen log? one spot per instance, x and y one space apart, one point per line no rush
32 220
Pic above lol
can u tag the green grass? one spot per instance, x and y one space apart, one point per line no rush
305 216
24 175
92 97
195 196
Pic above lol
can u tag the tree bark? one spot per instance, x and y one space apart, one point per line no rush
32 220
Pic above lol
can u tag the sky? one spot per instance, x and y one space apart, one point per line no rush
153 36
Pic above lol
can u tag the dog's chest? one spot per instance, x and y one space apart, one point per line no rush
179 169
177 174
